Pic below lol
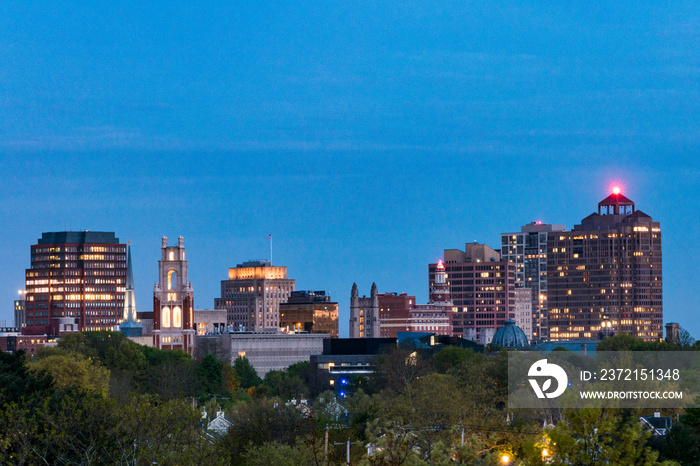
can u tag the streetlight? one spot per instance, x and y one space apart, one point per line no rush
505 459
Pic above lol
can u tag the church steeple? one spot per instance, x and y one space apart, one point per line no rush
130 326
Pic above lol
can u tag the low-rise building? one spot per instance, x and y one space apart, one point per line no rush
209 321
311 312
266 351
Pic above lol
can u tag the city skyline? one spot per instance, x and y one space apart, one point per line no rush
321 271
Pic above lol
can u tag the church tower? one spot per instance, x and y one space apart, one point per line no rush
130 326
173 301
364 313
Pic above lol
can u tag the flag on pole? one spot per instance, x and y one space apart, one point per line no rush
269 236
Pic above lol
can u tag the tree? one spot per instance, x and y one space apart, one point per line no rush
279 454
685 340
400 366
210 374
72 370
391 446
599 437
451 357
260 421
623 342
285 384
17 383
246 373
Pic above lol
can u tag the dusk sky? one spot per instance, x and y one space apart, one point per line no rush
366 137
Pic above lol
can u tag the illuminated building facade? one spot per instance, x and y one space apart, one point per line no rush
252 295
606 271
20 312
173 301
481 288
364 313
527 249
523 311
76 283
310 312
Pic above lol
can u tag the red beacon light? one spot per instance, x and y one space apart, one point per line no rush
440 265
616 190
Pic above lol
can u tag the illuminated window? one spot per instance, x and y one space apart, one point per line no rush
165 317
171 256
172 280
177 317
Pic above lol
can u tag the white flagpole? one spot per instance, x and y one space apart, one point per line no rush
270 249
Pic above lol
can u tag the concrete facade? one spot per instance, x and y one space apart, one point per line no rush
268 351
210 321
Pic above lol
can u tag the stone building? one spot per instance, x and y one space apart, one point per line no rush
173 301
364 314
252 295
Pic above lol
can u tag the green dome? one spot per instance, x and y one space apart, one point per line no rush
510 336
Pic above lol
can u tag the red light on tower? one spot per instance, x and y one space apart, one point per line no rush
440 265
616 190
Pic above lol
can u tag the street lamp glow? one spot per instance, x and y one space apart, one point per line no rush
505 459
545 453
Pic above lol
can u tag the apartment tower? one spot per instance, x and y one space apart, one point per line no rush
606 272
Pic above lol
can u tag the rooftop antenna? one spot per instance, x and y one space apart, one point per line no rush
270 238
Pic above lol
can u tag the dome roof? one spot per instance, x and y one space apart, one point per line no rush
510 335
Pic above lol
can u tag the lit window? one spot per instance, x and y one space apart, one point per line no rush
165 319
177 317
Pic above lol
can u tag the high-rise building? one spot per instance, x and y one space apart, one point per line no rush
130 325
311 312
606 271
252 295
75 283
523 311
364 313
481 288
528 250
20 312
173 300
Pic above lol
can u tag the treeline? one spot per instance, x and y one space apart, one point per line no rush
98 398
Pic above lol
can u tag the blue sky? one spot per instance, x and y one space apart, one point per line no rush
365 136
